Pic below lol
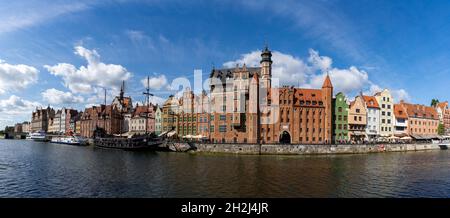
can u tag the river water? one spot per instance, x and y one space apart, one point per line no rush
37 169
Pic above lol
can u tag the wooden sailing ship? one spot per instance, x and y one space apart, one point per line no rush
134 142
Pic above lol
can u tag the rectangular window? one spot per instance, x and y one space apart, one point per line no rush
211 128
222 117
222 128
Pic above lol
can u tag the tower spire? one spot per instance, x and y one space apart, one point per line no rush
122 89
327 82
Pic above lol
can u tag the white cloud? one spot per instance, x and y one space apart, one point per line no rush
400 94
15 105
344 80
157 100
287 68
397 94
18 15
16 77
54 96
156 82
96 74
321 62
291 70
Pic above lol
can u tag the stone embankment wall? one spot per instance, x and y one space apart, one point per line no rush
309 149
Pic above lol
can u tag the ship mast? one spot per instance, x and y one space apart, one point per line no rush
147 94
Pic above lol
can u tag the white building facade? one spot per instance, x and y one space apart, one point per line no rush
386 102
373 118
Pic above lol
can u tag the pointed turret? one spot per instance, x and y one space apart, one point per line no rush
327 96
327 82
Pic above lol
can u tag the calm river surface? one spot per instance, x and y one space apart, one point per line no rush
36 169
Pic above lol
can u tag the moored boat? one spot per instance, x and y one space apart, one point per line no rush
69 140
40 136
145 142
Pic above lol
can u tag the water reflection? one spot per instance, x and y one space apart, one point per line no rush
34 169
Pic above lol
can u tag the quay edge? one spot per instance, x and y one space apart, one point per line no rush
289 149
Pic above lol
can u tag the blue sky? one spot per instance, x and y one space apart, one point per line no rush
64 52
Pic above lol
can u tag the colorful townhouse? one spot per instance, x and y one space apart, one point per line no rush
373 118
340 118
158 118
357 120
386 102
423 121
400 121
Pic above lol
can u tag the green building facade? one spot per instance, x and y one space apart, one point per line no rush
340 118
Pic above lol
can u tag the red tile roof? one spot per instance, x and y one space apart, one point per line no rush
400 111
141 110
442 105
371 101
308 94
420 111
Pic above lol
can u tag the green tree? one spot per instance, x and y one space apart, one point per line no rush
441 129
434 102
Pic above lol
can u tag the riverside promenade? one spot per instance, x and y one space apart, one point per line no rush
291 149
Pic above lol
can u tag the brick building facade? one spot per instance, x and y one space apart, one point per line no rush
246 109
422 120
40 119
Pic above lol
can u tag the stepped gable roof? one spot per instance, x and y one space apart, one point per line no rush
92 111
171 101
371 101
400 112
352 103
